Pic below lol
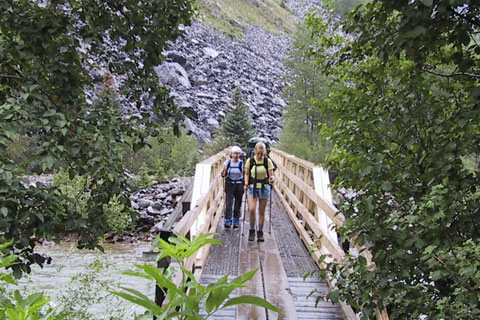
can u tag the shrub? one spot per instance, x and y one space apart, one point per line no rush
12 303
118 218
76 195
168 156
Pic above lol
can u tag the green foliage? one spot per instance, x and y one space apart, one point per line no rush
13 306
236 128
405 118
144 178
166 156
76 195
46 49
119 218
300 134
185 301
21 148
75 192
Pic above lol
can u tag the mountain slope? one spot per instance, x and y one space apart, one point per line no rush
204 68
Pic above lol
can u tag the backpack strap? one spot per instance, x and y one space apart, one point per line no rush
228 166
240 166
253 166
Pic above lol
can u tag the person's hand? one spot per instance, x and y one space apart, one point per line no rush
245 187
271 179
223 174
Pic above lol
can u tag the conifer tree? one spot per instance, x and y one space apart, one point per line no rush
236 128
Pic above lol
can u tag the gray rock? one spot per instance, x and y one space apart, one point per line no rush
144 203
152 211
212 53
158 205
176 57
157 227
173 74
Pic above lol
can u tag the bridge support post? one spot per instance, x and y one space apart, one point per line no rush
163 263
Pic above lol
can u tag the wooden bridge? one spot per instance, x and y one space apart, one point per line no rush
298 230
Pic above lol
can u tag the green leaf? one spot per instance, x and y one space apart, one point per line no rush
387 186
219 291
419 30
253 300
6 244
50 112
138 298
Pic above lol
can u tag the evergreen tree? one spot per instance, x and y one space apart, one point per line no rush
236 128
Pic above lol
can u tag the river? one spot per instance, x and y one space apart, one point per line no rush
78 280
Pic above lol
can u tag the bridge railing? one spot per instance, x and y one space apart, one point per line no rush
305 193
206 208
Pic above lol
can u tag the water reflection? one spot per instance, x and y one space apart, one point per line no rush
79 279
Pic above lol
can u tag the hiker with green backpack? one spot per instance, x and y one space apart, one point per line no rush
258 179
233 174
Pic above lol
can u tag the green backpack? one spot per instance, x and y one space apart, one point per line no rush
251 145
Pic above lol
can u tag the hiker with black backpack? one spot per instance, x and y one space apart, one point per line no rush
233 174
258 179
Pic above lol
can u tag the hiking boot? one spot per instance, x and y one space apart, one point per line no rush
236 223
251 235
260 236
228 223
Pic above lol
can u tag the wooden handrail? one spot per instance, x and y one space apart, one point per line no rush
208 200
296 188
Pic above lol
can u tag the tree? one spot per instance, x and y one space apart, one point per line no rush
49 52
236 128
403 95
301 123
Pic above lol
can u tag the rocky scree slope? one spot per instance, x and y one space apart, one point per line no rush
204 68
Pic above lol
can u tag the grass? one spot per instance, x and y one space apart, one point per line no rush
232 17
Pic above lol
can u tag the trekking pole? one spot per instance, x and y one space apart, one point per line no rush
244 212
270 213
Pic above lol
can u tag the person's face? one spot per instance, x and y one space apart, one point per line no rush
235 155
260 152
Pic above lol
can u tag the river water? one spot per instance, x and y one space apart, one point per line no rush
78 280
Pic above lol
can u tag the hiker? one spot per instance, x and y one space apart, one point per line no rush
233 173
258 178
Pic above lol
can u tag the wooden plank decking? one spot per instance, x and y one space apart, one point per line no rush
282 260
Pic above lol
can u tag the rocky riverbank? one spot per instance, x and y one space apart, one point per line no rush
154 206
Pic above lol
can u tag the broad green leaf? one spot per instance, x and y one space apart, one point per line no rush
139 299
50 113
253 300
